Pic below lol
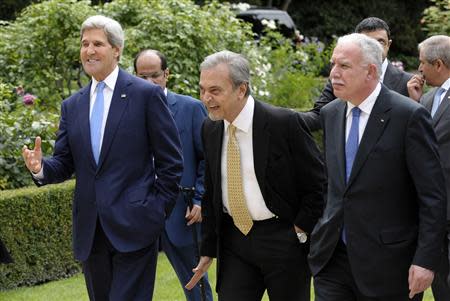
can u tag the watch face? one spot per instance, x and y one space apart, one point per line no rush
302 237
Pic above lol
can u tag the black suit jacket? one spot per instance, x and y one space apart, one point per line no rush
287 165
394 79
393 206
441 124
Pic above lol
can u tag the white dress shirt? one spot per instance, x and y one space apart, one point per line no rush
383 70
110 83
366 108
244 136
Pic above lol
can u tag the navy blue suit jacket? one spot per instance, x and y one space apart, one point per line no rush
139 168
189 115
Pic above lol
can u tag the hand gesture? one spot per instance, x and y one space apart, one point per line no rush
199 271
415 87
33 158
194 215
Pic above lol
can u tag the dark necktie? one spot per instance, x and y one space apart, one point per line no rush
96 121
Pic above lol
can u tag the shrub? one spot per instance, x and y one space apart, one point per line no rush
35 225
21 119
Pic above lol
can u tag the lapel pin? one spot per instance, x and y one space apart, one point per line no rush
382 120
123 96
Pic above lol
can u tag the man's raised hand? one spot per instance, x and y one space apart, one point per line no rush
33 158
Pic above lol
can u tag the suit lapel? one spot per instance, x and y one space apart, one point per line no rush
338 134
215 141
389 79
172 102
119 102
261 138
378 119
84 106
445 104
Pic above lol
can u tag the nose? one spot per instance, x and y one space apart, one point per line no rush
90 49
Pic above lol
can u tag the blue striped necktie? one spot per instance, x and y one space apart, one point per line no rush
97 121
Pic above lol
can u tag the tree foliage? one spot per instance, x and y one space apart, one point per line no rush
436 18
40 52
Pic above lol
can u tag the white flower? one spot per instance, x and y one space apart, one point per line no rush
269 23
241 6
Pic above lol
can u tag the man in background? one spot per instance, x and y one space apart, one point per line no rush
434 68
177 239
392 77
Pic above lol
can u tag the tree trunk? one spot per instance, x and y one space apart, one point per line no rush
269 3
285 5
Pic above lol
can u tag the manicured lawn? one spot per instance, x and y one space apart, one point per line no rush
167 288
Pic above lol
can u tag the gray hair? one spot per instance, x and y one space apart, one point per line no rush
111 28
238 67
371 50
436 47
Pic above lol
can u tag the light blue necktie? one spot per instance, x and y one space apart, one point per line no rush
351 147
436 101
97 121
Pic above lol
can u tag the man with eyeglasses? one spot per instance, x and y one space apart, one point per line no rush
392 77
177 240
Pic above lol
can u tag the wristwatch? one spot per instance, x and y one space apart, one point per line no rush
302 237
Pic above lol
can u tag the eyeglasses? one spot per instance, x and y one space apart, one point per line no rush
153 75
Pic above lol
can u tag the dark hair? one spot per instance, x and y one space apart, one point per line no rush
161 56
372 24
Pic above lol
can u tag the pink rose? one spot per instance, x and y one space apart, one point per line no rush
28 99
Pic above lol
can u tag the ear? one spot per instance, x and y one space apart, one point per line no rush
243 87
438 64
116 52
372 71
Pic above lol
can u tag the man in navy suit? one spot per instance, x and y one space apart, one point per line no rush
177 239
118 137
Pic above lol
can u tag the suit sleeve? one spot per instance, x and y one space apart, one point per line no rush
60 167
198 117
424 166
310 175
209 235
312 117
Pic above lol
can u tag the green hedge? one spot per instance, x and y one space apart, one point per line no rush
36 226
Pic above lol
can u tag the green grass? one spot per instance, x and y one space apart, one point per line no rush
167 288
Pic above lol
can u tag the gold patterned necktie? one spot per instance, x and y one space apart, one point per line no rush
236 199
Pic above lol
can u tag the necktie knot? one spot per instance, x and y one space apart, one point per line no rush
356 112
231 130
100 86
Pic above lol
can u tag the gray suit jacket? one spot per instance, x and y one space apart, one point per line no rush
441 124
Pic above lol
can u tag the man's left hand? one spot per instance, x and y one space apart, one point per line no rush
194 215
419 280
